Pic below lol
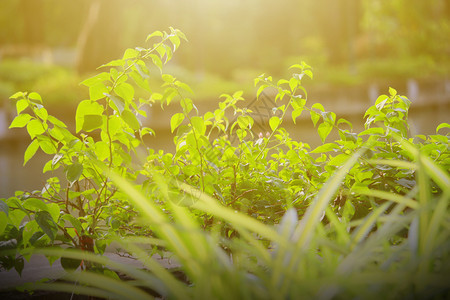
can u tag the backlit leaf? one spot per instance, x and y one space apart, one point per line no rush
20 121
92 122
131 119
35 96
324 130
274 122
199 125
46 223
31 151
176 120
34 128
21 105
97 91
73 172
125 91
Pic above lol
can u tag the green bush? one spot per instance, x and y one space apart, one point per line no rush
246 214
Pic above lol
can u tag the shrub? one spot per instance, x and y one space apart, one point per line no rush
373 205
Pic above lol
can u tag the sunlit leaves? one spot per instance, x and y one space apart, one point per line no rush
46 223
199 125
131 119
73 172
176 120
97 79
125 91
274 122
88 116
30 151
21 105
34 128
20 121
35 96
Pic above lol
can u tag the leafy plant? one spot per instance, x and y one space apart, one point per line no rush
246 214
342 259
83 209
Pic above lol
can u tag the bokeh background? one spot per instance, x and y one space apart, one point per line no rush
357 48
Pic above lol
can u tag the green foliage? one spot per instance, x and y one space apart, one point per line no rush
84 209
246 214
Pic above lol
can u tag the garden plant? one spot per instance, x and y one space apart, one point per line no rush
247 215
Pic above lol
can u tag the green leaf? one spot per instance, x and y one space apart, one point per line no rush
176 120
34 128
338 160
46 223
324 130
70 264
296 113
17 95
199 125
4 207
442 125
156 33
326 148
42 113
175 41
54 211
156 61
97 91
86 107
20 121
184 86
21 105
30 229
46 144
73 172
140 80
392 91
130 54
118 102
56 122
113 63
35 96
372 131
344 121
19 264
318 106
308 73
34 204
125 91
74 221
101 150
293 83
92 122
261 89
187 105
314 117
243 122
31 151
3 222
97 79
131 119
274 122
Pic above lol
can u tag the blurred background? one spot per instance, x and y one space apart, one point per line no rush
357 48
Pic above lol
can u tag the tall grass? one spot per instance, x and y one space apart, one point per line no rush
400 250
